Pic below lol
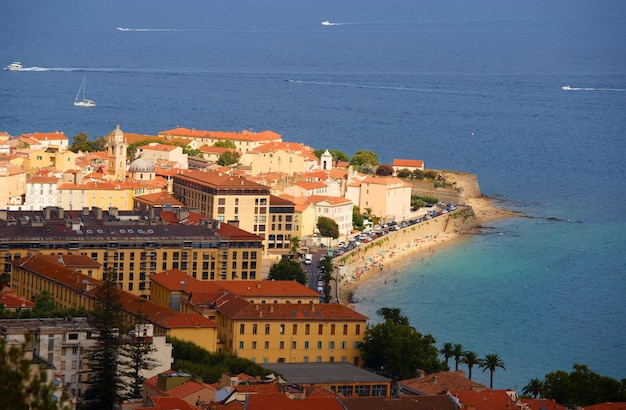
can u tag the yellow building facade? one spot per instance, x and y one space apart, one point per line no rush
135 244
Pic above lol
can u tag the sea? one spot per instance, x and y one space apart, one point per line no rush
473 86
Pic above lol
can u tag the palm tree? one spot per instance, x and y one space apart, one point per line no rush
457 353
295 244
491 362
533 388
446 351
393 315
471 360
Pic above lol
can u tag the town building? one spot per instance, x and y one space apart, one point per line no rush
70 288
64 342
387 197
244 141
158 153
238 201
286 157
13 182
135 244
55 139
410 164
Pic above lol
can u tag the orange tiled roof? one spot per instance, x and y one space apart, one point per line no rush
410 163
46 136
221 135
158 147
437 383
550 404
15 302
221 180
168 403
282 402
160 198
485 399
239 308
333 200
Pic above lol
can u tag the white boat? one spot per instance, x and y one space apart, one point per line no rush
326 23
14 66
84 102
566 88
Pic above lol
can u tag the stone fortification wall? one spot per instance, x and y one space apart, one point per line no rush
461 219
463 186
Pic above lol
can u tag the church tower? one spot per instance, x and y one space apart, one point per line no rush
326 161
117 146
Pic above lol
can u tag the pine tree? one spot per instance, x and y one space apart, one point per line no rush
136 356
105 385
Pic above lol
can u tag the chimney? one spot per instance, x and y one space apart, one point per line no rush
113 211
61 212
46 213
85 211
97 212
258 285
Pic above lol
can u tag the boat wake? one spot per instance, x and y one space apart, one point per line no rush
378 87
568 88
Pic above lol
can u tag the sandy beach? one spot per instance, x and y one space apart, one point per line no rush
378 260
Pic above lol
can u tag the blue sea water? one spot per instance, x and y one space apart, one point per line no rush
470 86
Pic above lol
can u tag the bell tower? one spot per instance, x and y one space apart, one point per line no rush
117 146
326 161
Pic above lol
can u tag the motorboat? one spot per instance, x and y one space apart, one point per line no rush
14 66
566 88
84 102
326 23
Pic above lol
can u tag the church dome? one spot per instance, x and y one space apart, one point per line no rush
141 165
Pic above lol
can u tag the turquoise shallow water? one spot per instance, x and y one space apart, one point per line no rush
525 289
469 86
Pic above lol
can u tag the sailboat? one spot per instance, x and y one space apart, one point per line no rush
84 102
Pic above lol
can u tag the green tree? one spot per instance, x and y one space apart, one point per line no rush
328 269
287 269
457 353
100 144
21 388
368 169
491 362
470 359
328 227
5 279
295 245
393 315
446 351
228 158
534 388
105 386
44 304
81 143
225 144
362 157
357 218
582 387
210 366
384 170
136 355
398 350
403 173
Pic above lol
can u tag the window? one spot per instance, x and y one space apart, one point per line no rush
267 329
331 359
254 345
281 345
331 345
241 345
305 359
306 344
319 344
332 329
358 329
293 344
267 345
344 345
318 359
294 331
320 329
307 329
254 329
345 329
282 328
242 329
